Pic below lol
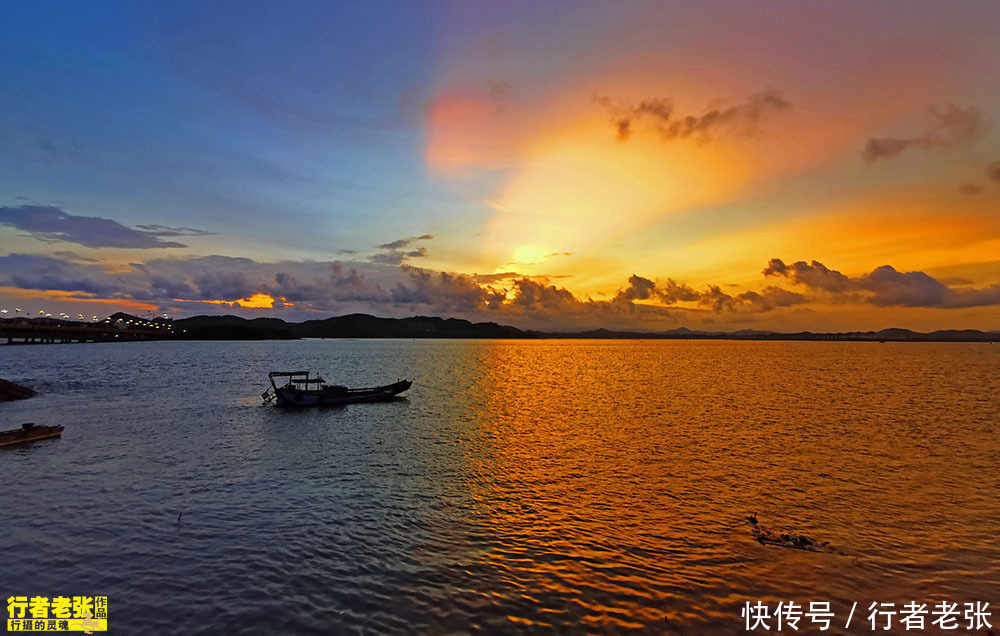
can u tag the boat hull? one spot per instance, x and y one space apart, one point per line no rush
28 435
298 398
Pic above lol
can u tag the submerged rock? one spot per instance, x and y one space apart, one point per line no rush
10 391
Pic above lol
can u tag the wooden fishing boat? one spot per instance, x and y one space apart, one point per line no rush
29 433
300 389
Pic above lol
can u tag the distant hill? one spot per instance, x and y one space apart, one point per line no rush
350 326
232 328
366 326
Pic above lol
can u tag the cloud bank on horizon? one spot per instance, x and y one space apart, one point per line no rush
625 166
299 290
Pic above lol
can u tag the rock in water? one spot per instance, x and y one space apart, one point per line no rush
10 391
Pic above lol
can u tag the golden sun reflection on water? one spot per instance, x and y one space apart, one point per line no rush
617 477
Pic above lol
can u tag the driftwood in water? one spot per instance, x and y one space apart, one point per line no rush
10 391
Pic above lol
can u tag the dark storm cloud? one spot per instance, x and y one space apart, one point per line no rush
160 287
541 297
291 288
970 188
397 257
394 257
767 299
430 291
323 285
749 301
917 289
395 245
952 126
815 275
404 242
671 292
224 285
639 288
193 279
885 286
659 114
51 224
341 285
450 292
395 252
348 284
32 271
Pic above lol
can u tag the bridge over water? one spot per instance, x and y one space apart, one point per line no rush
31 332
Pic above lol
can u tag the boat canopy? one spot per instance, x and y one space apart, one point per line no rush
294 377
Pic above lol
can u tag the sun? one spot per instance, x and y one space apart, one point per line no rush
529 255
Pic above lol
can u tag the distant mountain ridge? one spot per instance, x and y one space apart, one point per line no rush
367 326
894 334
349 326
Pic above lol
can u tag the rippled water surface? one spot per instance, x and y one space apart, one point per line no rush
522 486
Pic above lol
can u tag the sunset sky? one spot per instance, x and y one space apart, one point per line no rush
714 165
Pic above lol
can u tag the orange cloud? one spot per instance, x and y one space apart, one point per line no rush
259 300
55 296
